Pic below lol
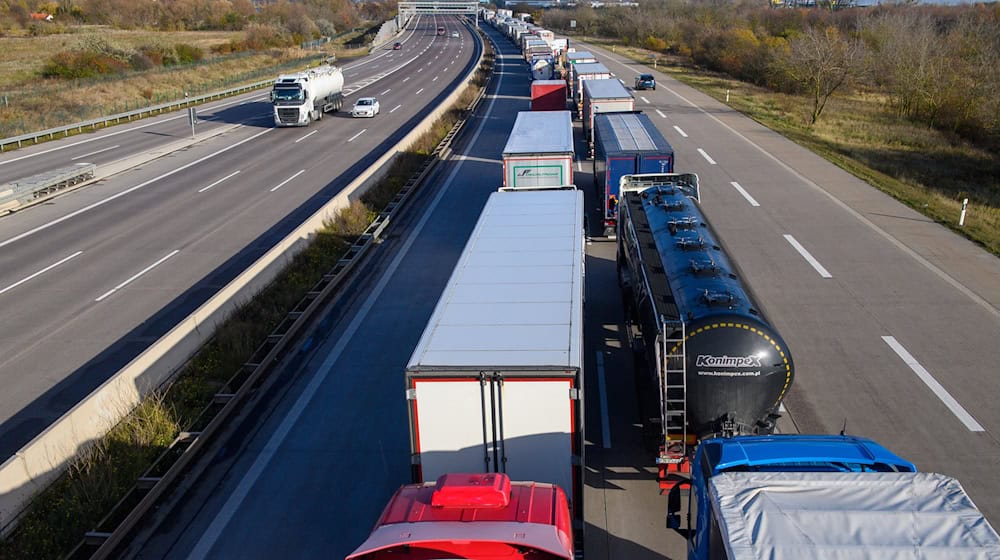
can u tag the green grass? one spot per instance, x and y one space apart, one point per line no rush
926 169
60 515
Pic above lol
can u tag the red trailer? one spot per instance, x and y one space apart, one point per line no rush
482 515
548 95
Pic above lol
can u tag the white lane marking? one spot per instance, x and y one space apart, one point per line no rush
659 112
681 132
745 194
706 156
306 136
225 515
396 107
138 274
203 189
95 153
942 274
40 272
435 79
602 392
644 100
127 191
808 257
418 91
406 78
928 379
420 69
386 91
286 181
363 130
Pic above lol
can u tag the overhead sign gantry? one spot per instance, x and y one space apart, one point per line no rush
439 7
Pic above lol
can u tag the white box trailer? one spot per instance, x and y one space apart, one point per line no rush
586 71
495 383
539 150
603 96
837 515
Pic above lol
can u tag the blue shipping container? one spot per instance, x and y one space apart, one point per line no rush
625 144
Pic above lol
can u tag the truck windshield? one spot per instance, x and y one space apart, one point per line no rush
288 94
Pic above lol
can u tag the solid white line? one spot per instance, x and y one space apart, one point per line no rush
203 189
681 132
40 272
386 91
644 100
351 139
928 379
138 274
285 182
418 91
659 112
236 498
306 136
808 257
706 156
127 191
602 392
95 153
745 194
396 107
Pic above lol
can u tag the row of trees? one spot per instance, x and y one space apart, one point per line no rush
305 19
933 64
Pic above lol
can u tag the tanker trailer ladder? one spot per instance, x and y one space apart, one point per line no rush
672 463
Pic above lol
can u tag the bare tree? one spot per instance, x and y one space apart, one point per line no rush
821 61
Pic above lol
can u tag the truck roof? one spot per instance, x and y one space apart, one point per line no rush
793 515
541 132
465 514
590 68
577 55
762 452
628 133
609 88
515 298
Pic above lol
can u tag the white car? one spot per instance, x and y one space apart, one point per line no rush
365 107
454 34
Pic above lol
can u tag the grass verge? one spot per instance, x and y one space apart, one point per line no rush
76 503
928 170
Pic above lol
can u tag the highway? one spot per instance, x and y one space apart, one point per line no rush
91 278
892 321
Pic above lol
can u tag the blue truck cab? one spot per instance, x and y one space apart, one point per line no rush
771 453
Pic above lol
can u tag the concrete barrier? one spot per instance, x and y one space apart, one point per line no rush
39 463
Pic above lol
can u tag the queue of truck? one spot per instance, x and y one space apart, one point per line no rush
495 386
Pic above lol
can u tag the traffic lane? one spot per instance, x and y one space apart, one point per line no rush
623 509
79 388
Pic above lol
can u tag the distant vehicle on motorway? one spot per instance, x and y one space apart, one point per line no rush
365 107
397 46
645 81
454 34
440 31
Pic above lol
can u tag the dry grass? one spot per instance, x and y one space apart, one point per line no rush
929 170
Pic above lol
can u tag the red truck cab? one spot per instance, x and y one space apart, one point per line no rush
483 516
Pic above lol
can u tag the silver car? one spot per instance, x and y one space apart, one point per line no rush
365 107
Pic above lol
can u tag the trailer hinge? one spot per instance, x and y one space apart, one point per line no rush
574 394
411 394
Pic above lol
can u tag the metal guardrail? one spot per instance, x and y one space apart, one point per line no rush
112 531
33 137
16 193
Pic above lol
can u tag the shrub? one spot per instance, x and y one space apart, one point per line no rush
187 54
73 65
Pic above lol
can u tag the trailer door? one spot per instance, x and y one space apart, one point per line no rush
450 424
537 428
